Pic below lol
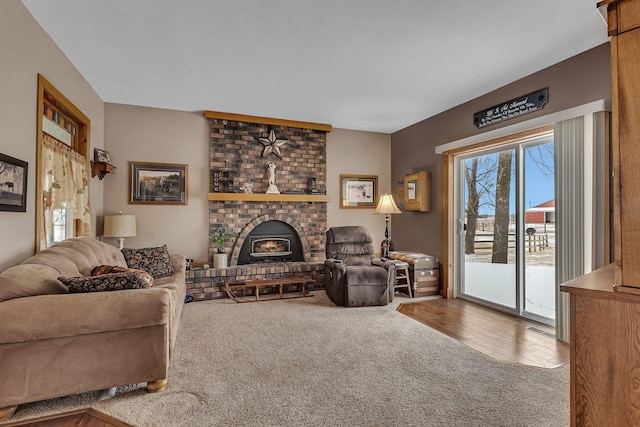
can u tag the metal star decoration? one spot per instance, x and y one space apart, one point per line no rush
272 144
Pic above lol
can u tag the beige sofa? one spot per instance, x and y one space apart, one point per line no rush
54 343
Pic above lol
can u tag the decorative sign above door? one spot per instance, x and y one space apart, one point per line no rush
516 107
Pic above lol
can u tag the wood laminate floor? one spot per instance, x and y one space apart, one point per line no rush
496 334
81 418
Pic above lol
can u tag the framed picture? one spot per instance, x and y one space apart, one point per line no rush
157 183
358 191
101 155
13 184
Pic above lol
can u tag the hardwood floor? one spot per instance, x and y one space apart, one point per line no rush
80 418
496 334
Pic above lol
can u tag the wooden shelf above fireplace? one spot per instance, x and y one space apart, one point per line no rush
263 197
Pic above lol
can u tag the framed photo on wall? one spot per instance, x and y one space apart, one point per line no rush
358 191
13 184
157 183
101 155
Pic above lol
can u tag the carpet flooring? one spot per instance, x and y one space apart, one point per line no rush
306 362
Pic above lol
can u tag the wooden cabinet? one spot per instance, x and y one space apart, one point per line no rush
623 18
417 191
605 304
605 351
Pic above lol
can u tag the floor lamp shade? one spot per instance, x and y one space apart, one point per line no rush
119 226
387 206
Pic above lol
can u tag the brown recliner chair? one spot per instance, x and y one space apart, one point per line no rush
353 276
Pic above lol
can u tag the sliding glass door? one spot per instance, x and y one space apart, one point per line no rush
539 245
506 216
487 228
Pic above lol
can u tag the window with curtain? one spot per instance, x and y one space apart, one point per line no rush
66 211
62 168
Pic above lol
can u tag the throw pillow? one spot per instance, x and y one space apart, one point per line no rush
104 282
155 261
108 269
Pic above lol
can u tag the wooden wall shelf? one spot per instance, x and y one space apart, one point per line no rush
100 169
263 197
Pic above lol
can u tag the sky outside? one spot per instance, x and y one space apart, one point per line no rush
539 182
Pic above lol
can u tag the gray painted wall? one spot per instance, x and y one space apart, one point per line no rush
576 81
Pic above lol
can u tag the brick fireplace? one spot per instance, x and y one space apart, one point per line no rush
235 150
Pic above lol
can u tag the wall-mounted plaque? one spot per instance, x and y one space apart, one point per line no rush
516 107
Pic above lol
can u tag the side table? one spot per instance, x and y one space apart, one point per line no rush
402 277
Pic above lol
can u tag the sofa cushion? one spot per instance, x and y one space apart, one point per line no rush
73 315
155 261
105 282
29 280
76 256
108 269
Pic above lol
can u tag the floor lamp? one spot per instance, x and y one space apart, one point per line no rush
386 206
119 226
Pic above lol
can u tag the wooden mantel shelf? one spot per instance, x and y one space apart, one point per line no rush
267 121
263 197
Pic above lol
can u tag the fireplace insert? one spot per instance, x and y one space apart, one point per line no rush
272 247
271 241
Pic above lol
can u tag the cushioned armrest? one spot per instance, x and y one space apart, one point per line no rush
335 264
379 262
56 316
178 263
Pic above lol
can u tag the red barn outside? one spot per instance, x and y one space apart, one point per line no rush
544 213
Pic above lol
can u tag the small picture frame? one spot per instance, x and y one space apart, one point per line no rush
358 191
101 156
13 184
157 183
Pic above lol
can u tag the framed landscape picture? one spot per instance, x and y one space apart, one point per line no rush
358 191
13 184
157 183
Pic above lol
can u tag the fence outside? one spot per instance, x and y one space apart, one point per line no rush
534 243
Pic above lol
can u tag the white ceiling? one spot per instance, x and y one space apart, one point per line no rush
376 65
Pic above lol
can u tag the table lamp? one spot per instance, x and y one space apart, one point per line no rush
119 226
387 206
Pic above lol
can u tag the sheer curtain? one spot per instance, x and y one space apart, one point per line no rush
65 192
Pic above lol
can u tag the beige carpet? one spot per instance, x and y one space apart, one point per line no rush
306 362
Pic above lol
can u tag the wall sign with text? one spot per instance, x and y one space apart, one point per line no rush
516 107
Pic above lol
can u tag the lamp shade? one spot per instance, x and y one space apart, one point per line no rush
119 225
386 205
